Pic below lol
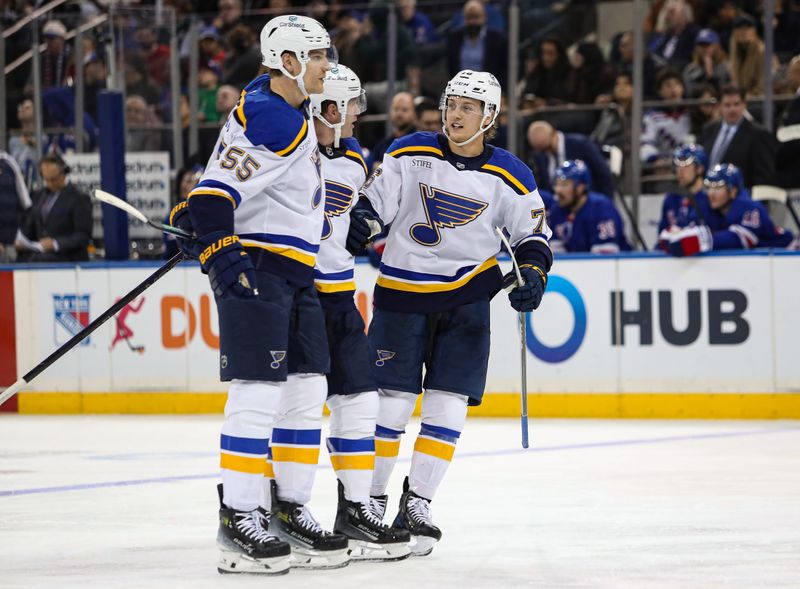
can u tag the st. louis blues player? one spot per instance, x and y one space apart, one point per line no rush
444 194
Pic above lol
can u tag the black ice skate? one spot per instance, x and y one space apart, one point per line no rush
370 540
312 547
377 505
245 544
415 516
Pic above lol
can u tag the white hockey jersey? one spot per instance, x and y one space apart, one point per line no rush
345 171
267 164
443 210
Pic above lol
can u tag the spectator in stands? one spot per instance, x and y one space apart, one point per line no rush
58 226
227 97
211 52
14 201
429 117
674 46
583 221
551 147
709 64
494 17
788 156
243 59
186 179
94 76
592 77
418 24
732 220
549 80
138 117
703 114
787 23
737 140
155 54
402 116
55 62
229 16
136 82
23 147
722 19
679 209
208 80
664 129
611 129
477 47
747 56
621 60
371 50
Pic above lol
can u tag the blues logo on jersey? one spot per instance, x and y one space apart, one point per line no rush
443 210
338 198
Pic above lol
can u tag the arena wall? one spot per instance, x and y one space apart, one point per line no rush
634 336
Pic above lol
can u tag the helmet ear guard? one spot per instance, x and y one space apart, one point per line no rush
481 86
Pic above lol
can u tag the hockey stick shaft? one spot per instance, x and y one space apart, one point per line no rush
89 329
123 205
523 321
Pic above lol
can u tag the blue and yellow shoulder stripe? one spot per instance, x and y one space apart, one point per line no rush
354 152
508 168
423 143
218 189
268 120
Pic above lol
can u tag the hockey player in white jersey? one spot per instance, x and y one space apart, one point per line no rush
258 214
444 194
352 391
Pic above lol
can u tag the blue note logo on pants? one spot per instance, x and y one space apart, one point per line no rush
562 286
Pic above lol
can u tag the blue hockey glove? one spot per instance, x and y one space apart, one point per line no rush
364 226
227 264
179 217
528 296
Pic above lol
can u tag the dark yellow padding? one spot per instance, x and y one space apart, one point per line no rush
353 461
246 464
434 448
292 454
386 449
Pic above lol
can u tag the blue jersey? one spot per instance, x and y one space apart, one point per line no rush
746 225
596 227
678 210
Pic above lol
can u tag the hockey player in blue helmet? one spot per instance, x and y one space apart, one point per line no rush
679 210
732 220
584 221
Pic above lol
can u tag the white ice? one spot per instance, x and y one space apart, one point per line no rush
595 504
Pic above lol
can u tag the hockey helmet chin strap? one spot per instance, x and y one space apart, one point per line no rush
299 77
358 107
481 130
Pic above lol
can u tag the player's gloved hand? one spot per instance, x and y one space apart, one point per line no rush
364 226
690 241
179 217
528 296
227 264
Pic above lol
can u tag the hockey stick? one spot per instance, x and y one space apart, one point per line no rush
523 321
117 202
89 329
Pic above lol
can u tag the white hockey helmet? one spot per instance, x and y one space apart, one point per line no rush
481 86
298 34
341 86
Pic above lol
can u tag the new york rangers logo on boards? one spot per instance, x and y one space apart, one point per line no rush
71 314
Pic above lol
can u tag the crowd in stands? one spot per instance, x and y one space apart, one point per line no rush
694 50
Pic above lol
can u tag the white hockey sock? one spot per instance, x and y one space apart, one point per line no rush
352 441
394 411
250 413
296 436
443 417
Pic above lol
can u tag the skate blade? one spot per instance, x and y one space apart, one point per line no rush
361 551
319 559
421 545
238 563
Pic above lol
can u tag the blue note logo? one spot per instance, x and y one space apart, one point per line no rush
278 356
443 210
71 314
338 198
384 356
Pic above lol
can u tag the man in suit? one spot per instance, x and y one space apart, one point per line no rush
739 141
551 148
788 172
477 47
59 225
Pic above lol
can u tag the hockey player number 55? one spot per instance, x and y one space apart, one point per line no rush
245 166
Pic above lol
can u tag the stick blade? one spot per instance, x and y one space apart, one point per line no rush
117 202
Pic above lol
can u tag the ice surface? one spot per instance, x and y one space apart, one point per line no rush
130 501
